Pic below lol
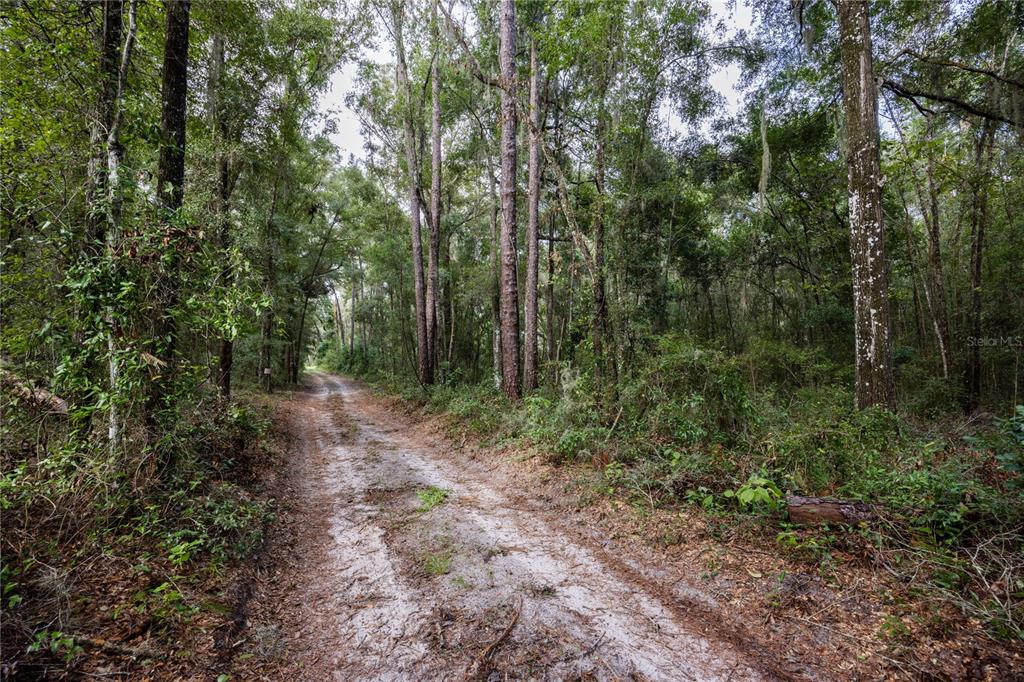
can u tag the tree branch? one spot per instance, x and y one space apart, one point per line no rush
907 93
928 59
474 65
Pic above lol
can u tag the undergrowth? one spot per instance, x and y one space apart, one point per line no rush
732 434
132 541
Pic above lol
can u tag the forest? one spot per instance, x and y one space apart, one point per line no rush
754 365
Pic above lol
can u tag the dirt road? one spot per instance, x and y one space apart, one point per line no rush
411 559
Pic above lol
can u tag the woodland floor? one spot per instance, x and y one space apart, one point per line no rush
374 574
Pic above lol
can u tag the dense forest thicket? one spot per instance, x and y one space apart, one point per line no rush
558 235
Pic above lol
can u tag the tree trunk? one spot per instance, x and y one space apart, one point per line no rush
447 299
933 284
223 197
550 304
435 201
109 68
532 230
495 279
939 312
604 366
113 219
266 359
174 86
352 323
423 357
509 252
873 370
170 185
979 222
339 322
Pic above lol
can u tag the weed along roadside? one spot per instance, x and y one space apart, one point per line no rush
511 340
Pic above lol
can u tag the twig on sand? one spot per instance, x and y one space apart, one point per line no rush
473 673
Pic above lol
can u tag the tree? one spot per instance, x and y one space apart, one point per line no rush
435 194
532 229
225 186
874 384
105 208
508 247
423 355
103 118
171 187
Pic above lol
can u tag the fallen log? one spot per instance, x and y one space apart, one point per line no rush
810 511
38 397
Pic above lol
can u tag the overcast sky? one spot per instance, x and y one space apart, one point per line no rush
349 139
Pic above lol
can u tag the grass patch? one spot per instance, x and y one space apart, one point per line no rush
437 563
431 497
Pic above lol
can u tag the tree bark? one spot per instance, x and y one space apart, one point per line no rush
170 183
223 197
352 323
550 304
112 228
532 229
495 278
932 284
174 86
603 368
817 510
874 384
979 223
109 69
509 252
339 322
435 201
423 358
938 286
266 363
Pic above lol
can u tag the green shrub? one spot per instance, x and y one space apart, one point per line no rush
924 393
689 394
772 363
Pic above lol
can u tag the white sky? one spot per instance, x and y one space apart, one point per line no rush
349 139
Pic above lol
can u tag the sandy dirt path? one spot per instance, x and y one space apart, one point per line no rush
410 560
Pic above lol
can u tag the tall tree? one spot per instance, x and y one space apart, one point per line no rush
508 248
435 192
604 352
218 125
532 228
874 383
423 358
983 158
171 181
940 315
106 210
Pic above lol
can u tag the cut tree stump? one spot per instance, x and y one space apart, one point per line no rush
810 511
